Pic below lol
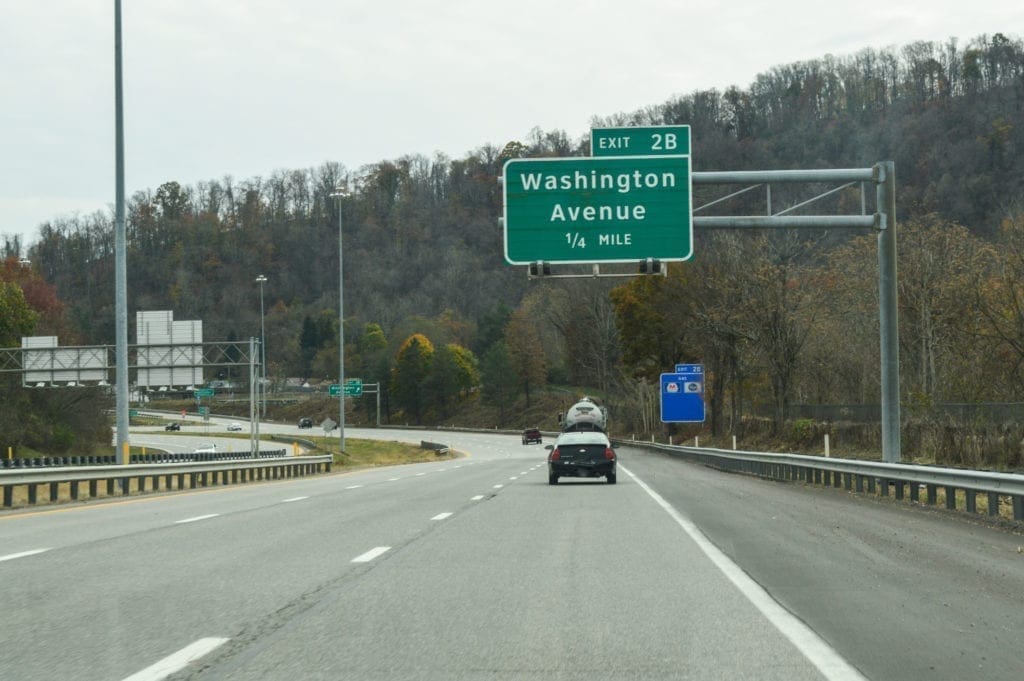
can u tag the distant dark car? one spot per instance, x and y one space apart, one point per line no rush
581 455
305 423
173 426
531 435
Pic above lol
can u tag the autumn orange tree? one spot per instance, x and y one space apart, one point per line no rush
410 370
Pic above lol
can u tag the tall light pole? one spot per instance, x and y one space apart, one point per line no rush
263 346
338 194
120 256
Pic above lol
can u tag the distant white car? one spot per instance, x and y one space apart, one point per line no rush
235 426
205 449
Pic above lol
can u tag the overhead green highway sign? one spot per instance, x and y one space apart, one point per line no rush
658 140
606 209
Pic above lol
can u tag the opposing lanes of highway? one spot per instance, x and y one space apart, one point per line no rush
479 569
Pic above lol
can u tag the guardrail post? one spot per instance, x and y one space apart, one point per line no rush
951 498
74 490
899 489
1018 507
8 496
972 500
859 479
915 492
92 488
932 494
848 482
884 484
993 503
33 494
54 491
871 484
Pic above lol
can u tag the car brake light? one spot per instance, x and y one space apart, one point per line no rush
555 456
609 453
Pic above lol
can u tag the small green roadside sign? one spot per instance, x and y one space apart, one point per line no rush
203 392
334 389
604 209
658 140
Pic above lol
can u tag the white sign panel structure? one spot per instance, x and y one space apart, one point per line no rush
170 353
46 364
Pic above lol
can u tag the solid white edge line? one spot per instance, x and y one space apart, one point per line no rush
288 501
197 518
823 656
478 497
179 660
23 554
371 554
442 516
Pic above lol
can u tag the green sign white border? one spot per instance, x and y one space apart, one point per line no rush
688 226
640 129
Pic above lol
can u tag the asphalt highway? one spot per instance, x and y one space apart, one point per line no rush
478 569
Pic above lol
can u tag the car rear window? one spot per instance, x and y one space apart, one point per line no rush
584 452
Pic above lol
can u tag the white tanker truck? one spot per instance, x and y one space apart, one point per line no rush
585 415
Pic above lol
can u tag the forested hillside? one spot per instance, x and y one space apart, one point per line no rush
778 319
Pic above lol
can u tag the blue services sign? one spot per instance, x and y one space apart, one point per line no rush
682 394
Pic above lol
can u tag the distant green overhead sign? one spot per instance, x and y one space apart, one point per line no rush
606 209
353 388
658 140
203 392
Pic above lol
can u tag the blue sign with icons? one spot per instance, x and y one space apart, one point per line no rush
682 394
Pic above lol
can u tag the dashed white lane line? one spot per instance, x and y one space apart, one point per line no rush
288 501
514 478
353 487
22 554
371 554
178 661
498 486
418 475
442 516
522 472
829 662
196 519
478 497
393 479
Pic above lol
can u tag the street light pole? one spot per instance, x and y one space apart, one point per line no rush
120 256
263 347
339 194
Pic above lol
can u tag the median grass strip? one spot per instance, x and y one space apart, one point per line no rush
370 453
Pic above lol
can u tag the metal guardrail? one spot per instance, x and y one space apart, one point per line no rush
156 457
872 476
174 476
437 447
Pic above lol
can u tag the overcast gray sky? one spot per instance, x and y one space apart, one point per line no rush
244 87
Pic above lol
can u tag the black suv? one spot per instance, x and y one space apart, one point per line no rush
531 435
173 426
305 423
581 455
